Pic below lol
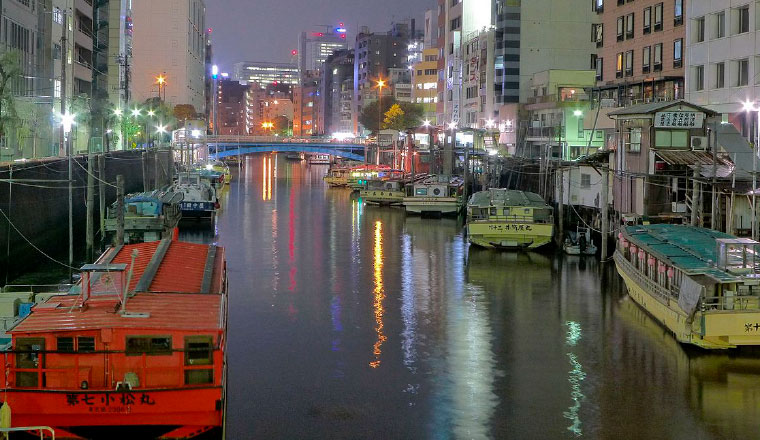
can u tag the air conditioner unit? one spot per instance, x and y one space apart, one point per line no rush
678 207
699 143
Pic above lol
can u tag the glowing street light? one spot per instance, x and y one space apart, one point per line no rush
489 123
195 133
426 123
161 129
452 125
136 112
151 113
117 112
67 121
578 113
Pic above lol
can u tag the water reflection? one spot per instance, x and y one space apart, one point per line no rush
379 294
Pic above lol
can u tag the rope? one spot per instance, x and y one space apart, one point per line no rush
33 245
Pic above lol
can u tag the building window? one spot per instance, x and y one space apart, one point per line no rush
629 26
598 6
633 138
699 78
719 28
742 72
597 34
647 19
699 29
619 65
585 180
580 127
720 75
599 69
678 13
629 63
646 59
620 28
85 344
65 344
658 17
657 57
58 15
741 18
456 23
678 53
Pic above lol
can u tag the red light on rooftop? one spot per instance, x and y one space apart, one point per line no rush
343 36
294 52
340 24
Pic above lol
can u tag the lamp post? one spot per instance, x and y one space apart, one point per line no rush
426 124
380 84
67 121
161 81
135 114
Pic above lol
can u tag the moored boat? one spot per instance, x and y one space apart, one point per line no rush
702 285
139 341
361 174
148 216
223 169
435 194
509 219
337 176
579 242
319 159
200 200
384 192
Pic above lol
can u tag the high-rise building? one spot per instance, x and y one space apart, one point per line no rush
231 108
306 105
265 105
338 68
316 45
169 40
265 73
425 83
640 54
722 62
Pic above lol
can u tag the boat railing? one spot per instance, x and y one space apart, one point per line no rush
664 295
40 429
732 302
36 288
510 218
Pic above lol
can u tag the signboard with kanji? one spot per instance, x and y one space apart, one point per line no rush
679 119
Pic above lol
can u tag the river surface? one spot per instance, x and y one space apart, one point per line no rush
356 322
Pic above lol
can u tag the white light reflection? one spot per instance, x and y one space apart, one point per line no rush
408 312
575 377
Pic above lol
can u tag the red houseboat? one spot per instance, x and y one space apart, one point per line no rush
140 341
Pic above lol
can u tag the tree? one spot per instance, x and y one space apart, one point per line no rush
369 116
10 71
412 114
281 125
394 118
183 112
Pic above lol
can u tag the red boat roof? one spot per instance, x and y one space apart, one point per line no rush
171 266
166 312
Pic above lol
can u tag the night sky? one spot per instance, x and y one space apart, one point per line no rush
250 30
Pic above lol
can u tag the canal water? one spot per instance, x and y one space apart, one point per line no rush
350 321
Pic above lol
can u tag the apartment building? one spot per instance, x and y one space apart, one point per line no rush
641 50
338 69
723 54
425 83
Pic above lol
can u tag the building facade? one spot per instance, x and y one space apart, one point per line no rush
641 48
723 58
169 39
338 69
425 83
265 73
316 45
231 108
306 105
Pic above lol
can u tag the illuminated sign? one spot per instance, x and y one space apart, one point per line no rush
340 30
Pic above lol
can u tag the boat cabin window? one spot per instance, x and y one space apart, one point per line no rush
420 191
143 208
26 358
150 345
493 211
85 344
65 344
198 350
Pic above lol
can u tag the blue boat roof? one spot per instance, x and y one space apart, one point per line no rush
689 248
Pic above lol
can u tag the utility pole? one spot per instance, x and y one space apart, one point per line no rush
90 206
102 194
695 196
605 210
146 181
119 210
714 224
64 60
561 205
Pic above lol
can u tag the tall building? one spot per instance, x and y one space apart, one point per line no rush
306 105
231 108
170 40
265 73
640 50
375 54
266 104
338 68
425 83
315 46
112 43
723 66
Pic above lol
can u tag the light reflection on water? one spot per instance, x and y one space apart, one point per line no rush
468 343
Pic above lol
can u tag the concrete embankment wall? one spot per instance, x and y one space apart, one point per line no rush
39 210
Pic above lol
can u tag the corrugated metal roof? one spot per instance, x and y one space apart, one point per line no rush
145 252
506 197
167 311
688 157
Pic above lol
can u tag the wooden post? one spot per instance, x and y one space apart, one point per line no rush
102 194
695 196
156 170
605 210
714 223
119 210
146 181
90 238
560 205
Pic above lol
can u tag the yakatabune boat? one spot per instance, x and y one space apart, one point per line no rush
702 285
148 216
509 219
141 340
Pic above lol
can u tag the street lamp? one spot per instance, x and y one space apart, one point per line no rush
67 121
380 85
161 80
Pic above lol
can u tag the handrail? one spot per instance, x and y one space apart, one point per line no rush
662 294
41 429
278 139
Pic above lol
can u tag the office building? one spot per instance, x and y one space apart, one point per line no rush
338 69
306 105
264 73
425 83
231 108
316 45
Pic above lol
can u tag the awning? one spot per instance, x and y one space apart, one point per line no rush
733 143
701 159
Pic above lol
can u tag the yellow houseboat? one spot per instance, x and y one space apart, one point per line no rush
435 194
702 285
509 219
337 176
383 192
